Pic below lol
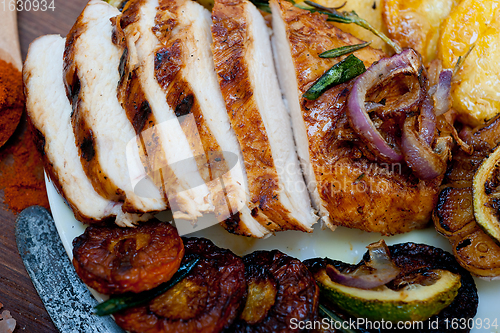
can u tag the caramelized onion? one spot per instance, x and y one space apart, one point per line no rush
425 163
406 63
442 98
376 272
427 122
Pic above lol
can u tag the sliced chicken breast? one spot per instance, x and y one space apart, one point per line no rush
346 187
101 127
244 64
169 156
170 59
50 114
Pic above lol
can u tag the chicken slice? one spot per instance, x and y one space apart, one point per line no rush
169 159
169 50
50 114
244 64
346 187
101 127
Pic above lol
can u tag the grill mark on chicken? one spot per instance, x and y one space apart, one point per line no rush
175 63
133 98
181 98
49 113
92 126
169 61
229 31
83 134
387 199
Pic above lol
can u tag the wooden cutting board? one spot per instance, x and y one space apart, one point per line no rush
17 293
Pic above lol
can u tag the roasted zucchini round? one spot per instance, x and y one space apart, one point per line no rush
419 264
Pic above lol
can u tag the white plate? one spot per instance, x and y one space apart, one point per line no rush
344 244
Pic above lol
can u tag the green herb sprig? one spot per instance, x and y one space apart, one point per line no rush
340 51
339 73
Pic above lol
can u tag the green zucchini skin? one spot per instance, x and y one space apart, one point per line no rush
412 257
376 310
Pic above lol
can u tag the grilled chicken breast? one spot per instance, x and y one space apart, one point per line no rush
50 114
101 127
346 187
170 47
244 64
169 155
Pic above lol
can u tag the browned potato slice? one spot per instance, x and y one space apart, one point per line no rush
463 27
476 90
417 23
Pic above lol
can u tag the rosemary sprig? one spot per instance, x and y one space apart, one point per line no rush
340 51
119 303
325 313
334 16
341 72
461 60
350 17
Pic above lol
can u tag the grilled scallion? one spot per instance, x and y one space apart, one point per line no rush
341 72
340 51
124 302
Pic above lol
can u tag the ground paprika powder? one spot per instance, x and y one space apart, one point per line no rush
21 170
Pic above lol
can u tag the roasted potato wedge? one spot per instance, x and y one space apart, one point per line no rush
475 92
417 23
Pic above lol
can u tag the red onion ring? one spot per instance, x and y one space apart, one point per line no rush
442 98
408 63
378 271
424 162
427 122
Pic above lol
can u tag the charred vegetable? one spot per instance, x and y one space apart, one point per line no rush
376 272
125 302
115 260
279 288
428 278
435 290
208 299
486 188
454 215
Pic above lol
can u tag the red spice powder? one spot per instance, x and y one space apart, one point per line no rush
21 172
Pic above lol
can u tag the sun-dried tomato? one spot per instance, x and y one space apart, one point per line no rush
115 260
207 300
296 297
